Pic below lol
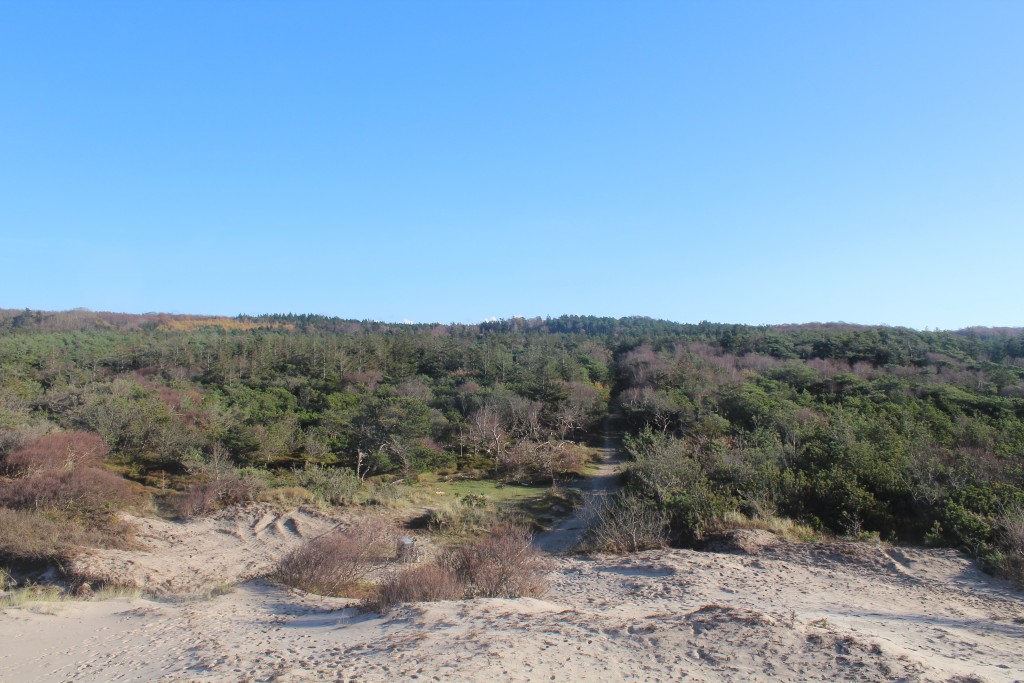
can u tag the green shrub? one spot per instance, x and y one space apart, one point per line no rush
332 485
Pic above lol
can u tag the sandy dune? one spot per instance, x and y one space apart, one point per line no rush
226 548
775 611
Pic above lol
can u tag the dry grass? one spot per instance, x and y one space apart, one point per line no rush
287 497
37 594
782 527
339 563
34 536
6 580
464 517
192 323
29 536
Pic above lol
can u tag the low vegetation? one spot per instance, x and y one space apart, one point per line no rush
340 563
624 523
427 582
501 563
345 563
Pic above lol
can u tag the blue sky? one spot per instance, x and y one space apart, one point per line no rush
755 162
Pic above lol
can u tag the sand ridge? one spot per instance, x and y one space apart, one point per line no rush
817 612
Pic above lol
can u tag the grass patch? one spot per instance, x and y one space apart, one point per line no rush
44 594
433 487
467 516
780 526
554 503
467 507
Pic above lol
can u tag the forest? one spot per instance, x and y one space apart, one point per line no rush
874 432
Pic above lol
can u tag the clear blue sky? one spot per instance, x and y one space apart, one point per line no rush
757 162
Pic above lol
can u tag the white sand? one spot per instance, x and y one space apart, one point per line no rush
783 612
226 548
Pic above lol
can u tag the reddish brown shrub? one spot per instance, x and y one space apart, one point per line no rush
423 583
85 489
210 496
336 564
501 564
59 451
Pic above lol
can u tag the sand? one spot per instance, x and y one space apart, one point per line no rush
759 609
224 549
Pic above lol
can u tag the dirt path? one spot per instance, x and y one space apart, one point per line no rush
604 482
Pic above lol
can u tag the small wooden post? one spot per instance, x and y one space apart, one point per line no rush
406 551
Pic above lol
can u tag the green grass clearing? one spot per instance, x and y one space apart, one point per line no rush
433 487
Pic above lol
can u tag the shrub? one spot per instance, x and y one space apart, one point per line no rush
1011 546
332 485
624 524
84 489
501 564
336 564
210 496
32 536
423 583
28 536
59 451
693 513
